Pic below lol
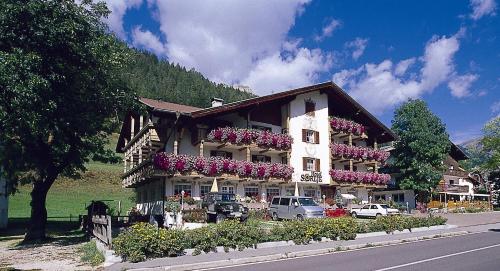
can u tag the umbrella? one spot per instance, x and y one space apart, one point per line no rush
214 188
296 189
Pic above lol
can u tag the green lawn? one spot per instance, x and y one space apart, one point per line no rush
69 197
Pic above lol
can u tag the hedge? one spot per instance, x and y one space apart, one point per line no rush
143 240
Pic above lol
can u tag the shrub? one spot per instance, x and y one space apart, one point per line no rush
202 239
90 254
258 214
195 215
143 241
390 224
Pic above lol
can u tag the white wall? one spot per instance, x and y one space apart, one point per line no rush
319 122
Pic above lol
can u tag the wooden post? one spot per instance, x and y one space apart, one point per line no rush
141 122
132 127
140 154
375 147
175 147
351 166
249 157
201 147
108 231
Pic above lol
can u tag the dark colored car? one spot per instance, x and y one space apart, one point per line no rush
220 206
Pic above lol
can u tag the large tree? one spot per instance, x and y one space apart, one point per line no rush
491 145
421 149
60 89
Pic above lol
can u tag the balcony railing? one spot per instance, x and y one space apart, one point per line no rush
216 166
358 153
239 136
356 177
346 126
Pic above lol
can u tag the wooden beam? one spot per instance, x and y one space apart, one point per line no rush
221 146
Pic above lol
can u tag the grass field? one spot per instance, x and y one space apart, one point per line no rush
69 197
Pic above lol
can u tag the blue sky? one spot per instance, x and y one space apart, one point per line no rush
381 52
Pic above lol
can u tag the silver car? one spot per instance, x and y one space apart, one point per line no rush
291 207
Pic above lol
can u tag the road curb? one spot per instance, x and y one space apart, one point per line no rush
297 254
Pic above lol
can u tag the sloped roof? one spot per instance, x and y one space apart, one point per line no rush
170 107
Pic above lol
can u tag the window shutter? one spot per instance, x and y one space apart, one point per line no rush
316 137
317 165
304 163
304 131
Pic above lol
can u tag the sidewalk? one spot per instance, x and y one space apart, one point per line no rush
274 253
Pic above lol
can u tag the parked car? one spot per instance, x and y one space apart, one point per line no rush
374 210
220 206
291 207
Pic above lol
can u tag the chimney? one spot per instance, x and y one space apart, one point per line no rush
217 102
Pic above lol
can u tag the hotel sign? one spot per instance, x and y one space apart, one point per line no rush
313 177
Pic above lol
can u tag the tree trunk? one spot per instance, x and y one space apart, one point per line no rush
38 220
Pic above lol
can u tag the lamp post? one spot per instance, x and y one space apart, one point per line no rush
324 201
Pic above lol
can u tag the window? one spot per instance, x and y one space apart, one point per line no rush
251 191
294 200
310 193
452 182
379 197
261 158
398 197
227 189
262 128
310 107
223 154
284 160
310 164
272 192
178 188
204 189
366 207
290 192
276 201
374 207
354 168
310 136
285 201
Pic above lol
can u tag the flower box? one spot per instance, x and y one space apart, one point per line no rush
346 176
358 153
215 166
346 126
239 136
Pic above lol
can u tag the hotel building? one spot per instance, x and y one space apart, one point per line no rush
317 137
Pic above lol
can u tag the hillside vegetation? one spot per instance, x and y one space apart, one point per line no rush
158 79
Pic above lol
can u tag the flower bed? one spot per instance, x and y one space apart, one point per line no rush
347 176
144 240
238 136
354 152
214 166
346 126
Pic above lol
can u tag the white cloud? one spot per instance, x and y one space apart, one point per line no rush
118 9
403 66
482 8
215 40
277 73
358 46
460 85
495 107
381 86
328 29
147 40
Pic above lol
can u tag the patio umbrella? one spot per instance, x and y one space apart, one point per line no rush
214 188
296 194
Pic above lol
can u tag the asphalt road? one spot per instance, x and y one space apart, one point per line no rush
480 251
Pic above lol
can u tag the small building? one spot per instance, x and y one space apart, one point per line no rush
456 185
316 137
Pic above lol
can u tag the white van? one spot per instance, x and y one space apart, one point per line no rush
291 207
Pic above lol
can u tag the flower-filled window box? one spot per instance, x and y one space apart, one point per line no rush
346 126
239 136
346 176
358 153
214 166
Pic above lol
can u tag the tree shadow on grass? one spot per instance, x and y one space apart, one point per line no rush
59 233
